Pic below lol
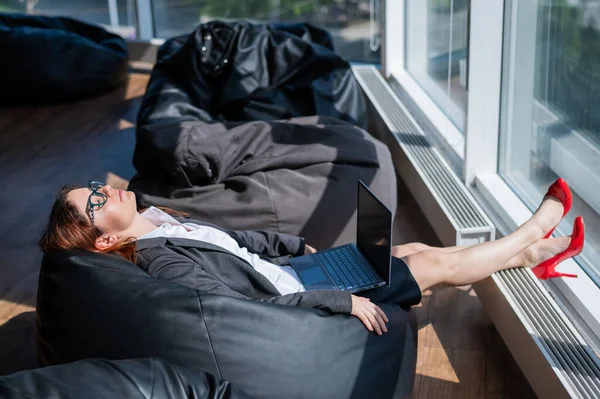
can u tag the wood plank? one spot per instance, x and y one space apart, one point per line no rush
16 265
437 376
458 319
96 146
21 298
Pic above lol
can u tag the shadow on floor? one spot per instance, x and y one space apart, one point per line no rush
460 353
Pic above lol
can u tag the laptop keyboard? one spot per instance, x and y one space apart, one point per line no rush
347 268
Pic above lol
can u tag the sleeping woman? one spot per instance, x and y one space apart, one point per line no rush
252 264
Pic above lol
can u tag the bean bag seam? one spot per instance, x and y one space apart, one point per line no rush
212 349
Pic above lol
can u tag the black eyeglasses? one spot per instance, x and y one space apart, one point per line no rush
96 199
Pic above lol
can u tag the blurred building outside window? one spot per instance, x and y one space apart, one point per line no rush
353 24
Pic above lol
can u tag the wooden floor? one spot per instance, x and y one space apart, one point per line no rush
460 353
42 148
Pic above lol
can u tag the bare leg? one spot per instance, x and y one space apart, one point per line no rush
538 252
529 257
400 251
468 265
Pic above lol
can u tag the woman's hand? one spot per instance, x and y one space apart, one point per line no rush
309 250
370 314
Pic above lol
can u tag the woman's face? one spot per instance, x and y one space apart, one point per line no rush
115 216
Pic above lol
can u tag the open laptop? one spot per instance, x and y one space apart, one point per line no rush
354 267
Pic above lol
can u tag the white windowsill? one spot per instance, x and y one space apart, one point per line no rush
449 133
582 293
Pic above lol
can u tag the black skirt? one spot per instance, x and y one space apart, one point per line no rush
403 290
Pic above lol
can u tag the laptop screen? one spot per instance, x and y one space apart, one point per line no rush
374 231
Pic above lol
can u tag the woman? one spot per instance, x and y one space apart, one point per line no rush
251 264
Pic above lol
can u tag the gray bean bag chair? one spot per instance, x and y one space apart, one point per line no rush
258 127
100 306
297 177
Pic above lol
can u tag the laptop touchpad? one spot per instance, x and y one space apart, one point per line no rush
313 275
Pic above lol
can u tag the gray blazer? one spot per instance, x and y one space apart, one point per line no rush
214 270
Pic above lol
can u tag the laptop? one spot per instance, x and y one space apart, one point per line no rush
354 267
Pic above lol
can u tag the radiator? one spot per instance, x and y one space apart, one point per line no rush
551 353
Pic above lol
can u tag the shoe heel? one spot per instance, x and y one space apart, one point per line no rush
559 274
546 269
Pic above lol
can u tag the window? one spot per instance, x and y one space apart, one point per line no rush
531 95
16 5
353 24
437 34
117 16
551 122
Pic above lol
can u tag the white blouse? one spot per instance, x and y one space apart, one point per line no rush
284 278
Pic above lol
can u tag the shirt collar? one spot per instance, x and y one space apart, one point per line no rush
158 217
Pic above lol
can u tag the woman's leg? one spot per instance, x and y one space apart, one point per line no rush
400 251
471 264
529 256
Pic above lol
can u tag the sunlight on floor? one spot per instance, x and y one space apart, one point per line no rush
435 356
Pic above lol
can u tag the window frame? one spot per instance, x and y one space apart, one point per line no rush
483 139
145 20
394 65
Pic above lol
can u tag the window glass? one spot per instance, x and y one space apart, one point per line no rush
14 6
115 15
353 24
551 109
436 52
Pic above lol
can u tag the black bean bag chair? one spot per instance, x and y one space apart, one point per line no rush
147 378
247 72
93 305
46 60
258 127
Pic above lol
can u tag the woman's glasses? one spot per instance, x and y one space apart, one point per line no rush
96 199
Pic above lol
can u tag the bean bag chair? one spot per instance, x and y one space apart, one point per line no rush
92 305
147 378
246 72
258 127
46 60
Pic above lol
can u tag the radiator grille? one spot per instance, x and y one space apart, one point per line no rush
574 362
438 174
554 333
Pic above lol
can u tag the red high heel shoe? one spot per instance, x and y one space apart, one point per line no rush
546 269
560 190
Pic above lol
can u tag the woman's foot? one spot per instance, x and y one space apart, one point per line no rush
547 269
541 251
547 216
561 191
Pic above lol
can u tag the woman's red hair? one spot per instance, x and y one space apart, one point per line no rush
68 229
